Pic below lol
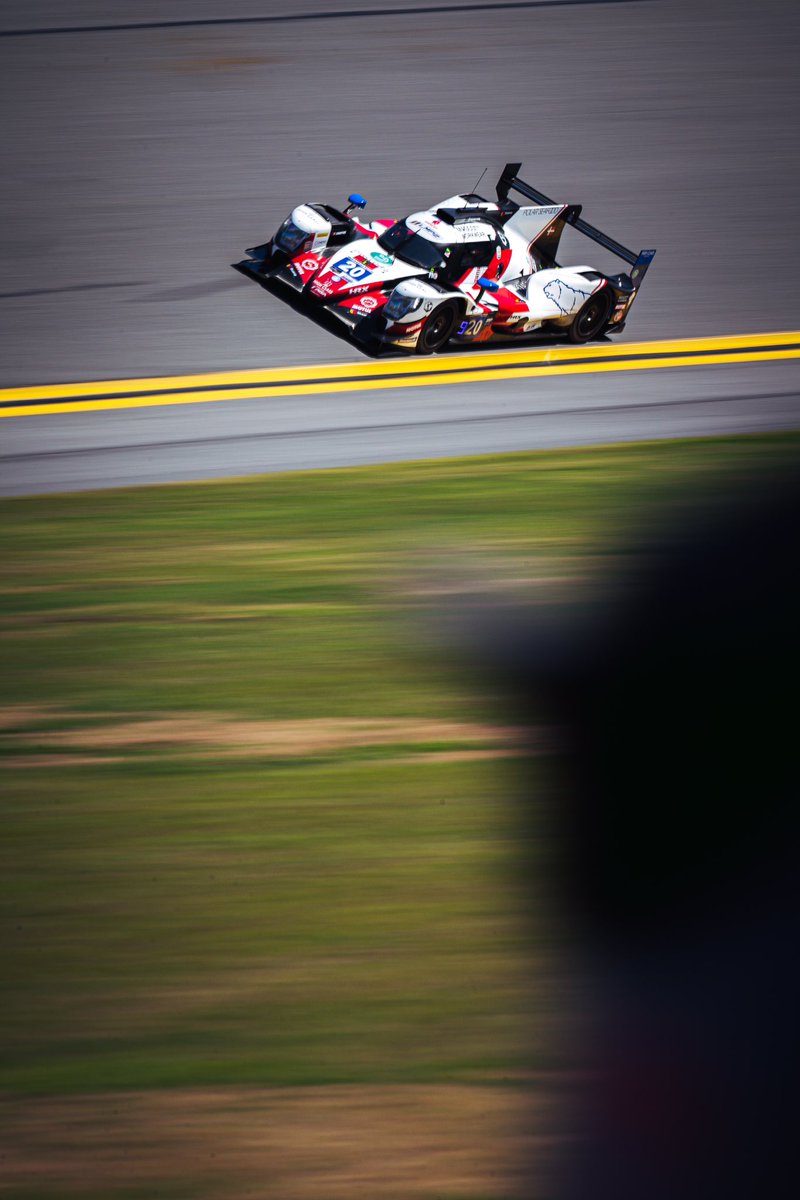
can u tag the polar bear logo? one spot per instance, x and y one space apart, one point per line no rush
565 298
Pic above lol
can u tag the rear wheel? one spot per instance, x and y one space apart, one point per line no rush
438 329
592 318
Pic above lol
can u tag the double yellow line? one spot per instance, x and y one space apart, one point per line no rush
471 367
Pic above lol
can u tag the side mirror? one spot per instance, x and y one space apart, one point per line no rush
356 201
488 285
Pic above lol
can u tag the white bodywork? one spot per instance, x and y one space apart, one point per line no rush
558 293
305 218
478 268
522 229
553 294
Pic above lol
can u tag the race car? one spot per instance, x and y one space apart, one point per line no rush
468 270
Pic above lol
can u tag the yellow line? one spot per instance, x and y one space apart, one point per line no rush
451 362
361 376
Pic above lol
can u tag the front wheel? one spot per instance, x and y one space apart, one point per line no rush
438 328
592 318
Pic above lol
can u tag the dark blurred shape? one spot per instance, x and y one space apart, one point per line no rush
677 814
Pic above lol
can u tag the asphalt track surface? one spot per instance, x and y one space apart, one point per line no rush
139 162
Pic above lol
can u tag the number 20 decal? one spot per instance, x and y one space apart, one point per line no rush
472 328
351 270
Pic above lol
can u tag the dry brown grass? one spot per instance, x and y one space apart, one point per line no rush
19 715
322 1143
219 733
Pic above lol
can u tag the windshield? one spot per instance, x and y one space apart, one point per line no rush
411 247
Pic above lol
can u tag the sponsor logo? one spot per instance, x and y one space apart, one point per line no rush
309 264
540 212
567 299
368 303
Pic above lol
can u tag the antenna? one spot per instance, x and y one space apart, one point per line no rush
480 177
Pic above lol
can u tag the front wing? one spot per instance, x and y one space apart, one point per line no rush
356 313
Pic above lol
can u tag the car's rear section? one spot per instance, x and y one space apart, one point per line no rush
623 286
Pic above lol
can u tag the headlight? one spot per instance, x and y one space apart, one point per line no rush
290 237
399 305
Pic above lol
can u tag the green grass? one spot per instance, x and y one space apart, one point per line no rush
349 917
327 923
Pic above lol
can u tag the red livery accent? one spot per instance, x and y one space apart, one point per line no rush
508 302
306 265
365 304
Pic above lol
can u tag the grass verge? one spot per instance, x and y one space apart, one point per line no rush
340 907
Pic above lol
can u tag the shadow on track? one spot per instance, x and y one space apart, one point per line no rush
322 318
76 287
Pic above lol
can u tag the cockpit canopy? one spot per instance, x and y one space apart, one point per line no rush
412 247
447 240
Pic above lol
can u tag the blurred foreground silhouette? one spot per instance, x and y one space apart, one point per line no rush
676 817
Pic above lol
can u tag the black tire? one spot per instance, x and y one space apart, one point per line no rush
592 319
438 329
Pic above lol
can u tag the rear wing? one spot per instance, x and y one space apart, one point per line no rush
510 180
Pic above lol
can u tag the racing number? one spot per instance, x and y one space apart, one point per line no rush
351 270
470 329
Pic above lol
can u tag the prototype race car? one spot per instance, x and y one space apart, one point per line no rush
468 270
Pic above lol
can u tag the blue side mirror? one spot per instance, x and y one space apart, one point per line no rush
357 200
488 285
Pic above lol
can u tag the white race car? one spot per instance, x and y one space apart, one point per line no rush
468 270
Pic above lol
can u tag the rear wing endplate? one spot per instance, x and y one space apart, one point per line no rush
510 180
